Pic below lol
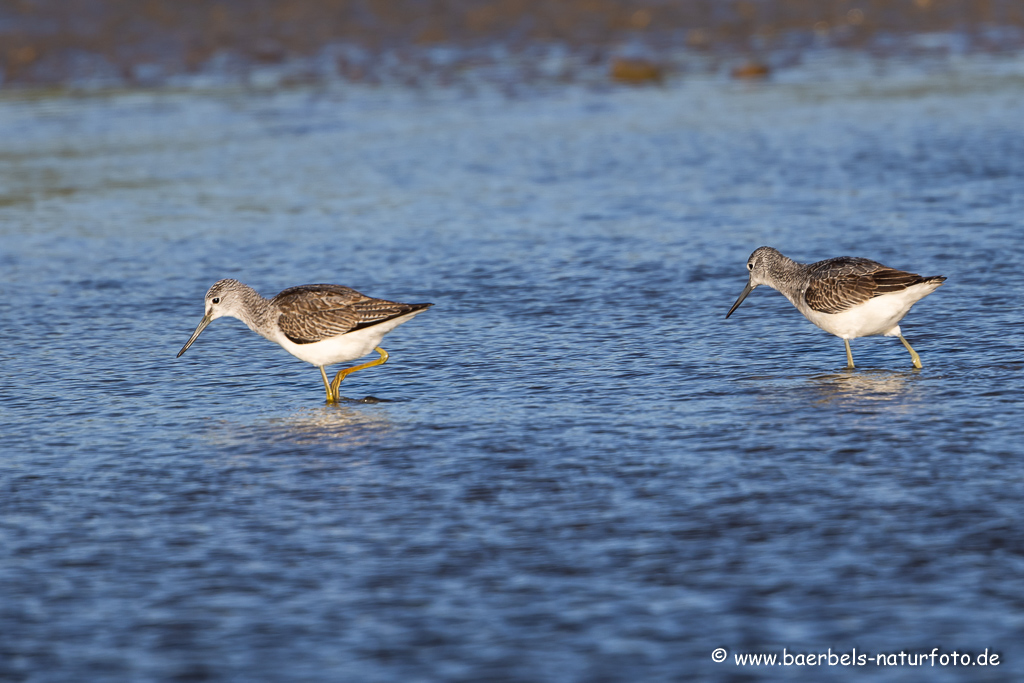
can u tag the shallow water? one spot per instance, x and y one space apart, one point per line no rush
578 469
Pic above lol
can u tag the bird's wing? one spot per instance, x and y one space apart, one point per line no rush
841 283
311 313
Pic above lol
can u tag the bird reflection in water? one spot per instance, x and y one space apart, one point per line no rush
339 426
870 385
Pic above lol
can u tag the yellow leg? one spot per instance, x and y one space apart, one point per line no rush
331 397
342 374
849 354
913 354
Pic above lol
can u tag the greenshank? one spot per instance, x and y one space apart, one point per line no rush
320 324
846 296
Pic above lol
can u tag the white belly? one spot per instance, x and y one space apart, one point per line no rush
880 315
344 347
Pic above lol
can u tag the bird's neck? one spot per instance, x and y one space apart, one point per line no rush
255 312
787 278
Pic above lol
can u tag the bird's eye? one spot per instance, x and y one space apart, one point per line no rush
750 266
215 300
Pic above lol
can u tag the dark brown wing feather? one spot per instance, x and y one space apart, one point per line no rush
841 283
311 313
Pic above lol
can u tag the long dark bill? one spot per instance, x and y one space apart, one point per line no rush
743 295
202 326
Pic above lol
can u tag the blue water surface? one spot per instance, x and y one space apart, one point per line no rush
573 468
